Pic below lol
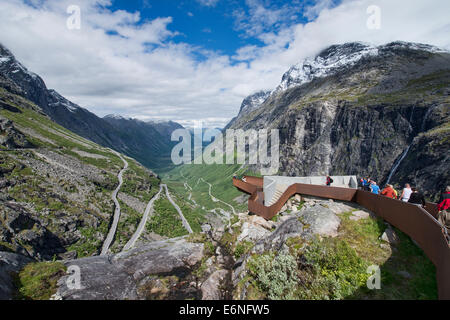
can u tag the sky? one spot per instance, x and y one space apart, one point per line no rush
195 60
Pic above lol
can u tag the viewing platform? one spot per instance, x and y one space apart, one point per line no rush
417 222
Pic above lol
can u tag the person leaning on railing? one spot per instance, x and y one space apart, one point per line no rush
417 198
444 208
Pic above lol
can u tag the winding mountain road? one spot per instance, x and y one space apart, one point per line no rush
112 231
130 244
183 219
214 199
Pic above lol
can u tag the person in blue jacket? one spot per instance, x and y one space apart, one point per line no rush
374 188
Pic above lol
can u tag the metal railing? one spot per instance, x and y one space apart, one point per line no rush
418 223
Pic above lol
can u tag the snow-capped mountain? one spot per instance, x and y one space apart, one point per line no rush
334 58
253 102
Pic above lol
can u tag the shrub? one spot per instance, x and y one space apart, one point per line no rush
332 270
242 248
276 275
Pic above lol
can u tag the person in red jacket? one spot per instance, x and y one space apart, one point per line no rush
389 192
329 181
444 208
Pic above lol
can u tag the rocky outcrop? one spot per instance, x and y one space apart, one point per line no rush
10 264
211 288
320 221
317 217
250 104
141 273
22 233
10 137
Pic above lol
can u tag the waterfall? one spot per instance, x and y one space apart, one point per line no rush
397 163
399 160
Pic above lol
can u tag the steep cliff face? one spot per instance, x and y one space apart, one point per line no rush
356 109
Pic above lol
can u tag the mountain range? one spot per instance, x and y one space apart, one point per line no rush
148 142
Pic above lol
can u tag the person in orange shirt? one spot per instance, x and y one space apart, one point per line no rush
389 192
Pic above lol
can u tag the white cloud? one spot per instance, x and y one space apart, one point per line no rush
136 69
261 17
208 3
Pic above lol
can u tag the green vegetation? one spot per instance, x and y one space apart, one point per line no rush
219 176
139 182
166 220
242 248
194 215
51 135
336 268
91 240
129 220
275 275
37 281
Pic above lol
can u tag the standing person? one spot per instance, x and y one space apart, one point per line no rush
374 188
444 208
367 184
389 192
361 183
406 193
417 198
329 181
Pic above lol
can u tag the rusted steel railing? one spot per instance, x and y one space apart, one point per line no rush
418 223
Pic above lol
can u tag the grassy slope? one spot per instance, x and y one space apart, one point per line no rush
37 188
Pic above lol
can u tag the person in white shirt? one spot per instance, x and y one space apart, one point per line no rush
406 193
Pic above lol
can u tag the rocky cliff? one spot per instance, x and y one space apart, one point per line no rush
360 109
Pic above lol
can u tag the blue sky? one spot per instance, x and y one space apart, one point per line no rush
212 25
195 60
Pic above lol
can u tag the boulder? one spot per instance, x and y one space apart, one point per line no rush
252 232
358 215
339 207
390 236
10 263
259 221
211 288
321 221
129 275
290 228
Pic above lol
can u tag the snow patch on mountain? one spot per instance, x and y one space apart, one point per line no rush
253 102
336 57
58 101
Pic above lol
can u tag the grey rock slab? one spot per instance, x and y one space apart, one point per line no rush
113 277
10 263
321 221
